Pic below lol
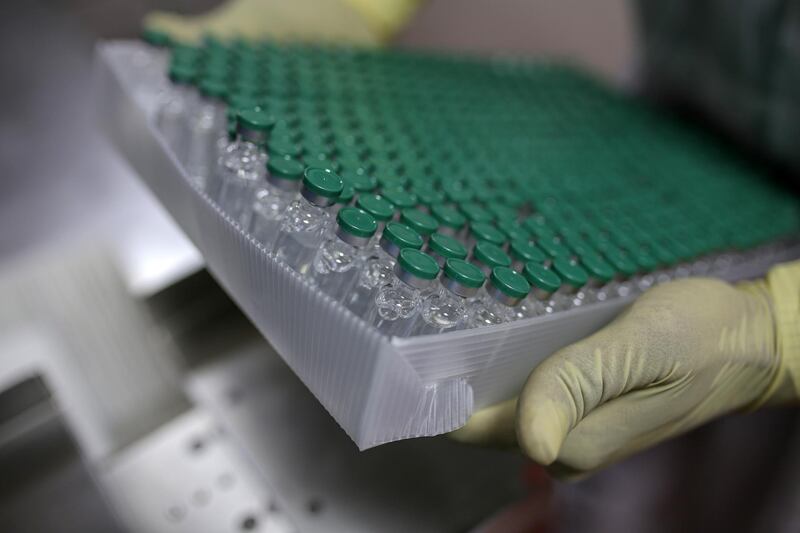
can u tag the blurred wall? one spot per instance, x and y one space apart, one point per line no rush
599 35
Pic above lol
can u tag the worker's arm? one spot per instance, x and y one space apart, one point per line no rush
341 21
684 353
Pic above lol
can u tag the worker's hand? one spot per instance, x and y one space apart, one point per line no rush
682 354
342 21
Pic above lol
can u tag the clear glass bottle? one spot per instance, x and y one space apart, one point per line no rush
171 118
422 223
337 262
206 123
497 304
397 303
443 247
573 278
379 266
284 179
445 309
623 283
544 283
243 164
600 274
306 221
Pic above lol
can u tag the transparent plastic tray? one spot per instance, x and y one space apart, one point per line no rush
378 389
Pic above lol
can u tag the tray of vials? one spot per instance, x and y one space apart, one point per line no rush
414 232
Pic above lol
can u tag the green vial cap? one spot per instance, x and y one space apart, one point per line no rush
621 262
457 195
512 230
180 73
282 147
375 205
428 197
464 273
501 211
214 88
288 169
510 283
597 267
483 231
399 198
237 101
361 181
402 236
662 254
356 222
475 213
448 217
571 273
418 264
646 261
155 37
553 249
347 194
525 251
446 246
422 223
540 277
256 119
490 255
322 182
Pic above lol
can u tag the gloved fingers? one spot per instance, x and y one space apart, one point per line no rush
625 425
492 426
178 27
309 20
565 388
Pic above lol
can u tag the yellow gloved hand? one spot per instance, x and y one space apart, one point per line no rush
344 21
682 354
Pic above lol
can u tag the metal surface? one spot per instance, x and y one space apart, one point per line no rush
46 485
325 483
188 477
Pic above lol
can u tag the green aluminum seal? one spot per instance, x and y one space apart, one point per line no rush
321 186
285 174
416 268
488 256
571 274
422 223
544 282
443 247
507 286
462 278
355 226
376 205
397 236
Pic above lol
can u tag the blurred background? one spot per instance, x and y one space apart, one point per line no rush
134 396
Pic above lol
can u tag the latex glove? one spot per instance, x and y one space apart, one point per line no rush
344 21
682 354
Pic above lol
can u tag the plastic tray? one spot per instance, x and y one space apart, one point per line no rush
378 389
